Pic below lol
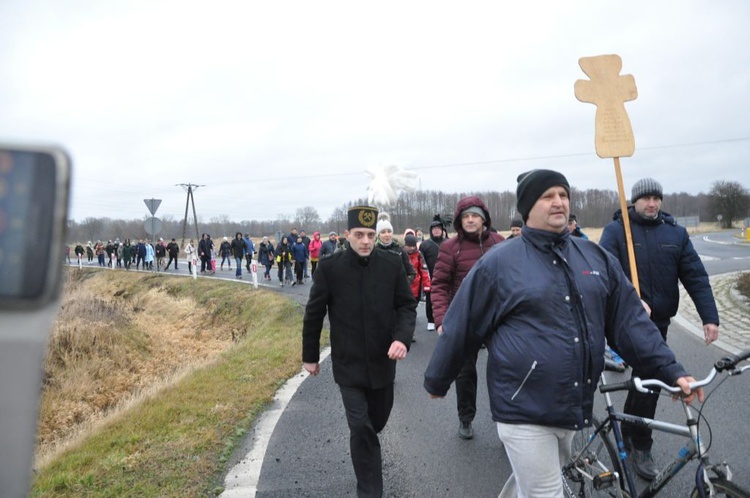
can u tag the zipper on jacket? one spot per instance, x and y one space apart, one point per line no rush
533 366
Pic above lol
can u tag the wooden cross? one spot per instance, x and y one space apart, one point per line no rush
608 91
613 135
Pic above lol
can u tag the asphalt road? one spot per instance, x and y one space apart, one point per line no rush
308 456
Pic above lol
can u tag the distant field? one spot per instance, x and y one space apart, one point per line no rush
595 234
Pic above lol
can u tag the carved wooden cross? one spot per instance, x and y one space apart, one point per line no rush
608 91
613 134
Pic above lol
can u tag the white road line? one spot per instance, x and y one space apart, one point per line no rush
242 479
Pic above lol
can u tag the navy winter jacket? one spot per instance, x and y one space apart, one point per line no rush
664 255
300 252
545 346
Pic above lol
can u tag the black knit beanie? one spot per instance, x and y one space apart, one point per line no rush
531 186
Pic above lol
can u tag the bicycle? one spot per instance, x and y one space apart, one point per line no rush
599 467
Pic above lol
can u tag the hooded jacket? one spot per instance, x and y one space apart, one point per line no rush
457 256
265 252
664 256
545 344
314 246
421 281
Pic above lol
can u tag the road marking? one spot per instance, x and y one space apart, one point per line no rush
731 243
242 479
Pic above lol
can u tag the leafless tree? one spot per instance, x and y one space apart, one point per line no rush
730 200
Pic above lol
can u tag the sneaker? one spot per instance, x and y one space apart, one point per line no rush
430 327
465 431
643 463
281 284
294 283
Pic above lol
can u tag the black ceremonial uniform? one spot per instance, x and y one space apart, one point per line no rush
369 305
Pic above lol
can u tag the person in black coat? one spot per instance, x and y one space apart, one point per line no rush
430 249
174 251
372 314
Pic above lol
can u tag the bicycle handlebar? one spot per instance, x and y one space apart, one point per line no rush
727 363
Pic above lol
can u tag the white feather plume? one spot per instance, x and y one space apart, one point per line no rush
386 183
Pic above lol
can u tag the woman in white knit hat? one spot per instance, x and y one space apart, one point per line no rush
385 242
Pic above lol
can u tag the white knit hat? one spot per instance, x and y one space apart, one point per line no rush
384 223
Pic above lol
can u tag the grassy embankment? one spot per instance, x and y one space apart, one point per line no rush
151 381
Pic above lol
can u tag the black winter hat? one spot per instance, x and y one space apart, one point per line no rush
410 241
531 186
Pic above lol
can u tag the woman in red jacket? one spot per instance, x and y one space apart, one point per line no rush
314 248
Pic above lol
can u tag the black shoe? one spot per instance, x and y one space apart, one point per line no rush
643 463
465 431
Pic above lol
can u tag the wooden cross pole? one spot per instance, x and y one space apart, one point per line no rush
609 91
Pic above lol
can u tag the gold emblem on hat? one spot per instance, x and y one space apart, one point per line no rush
367 218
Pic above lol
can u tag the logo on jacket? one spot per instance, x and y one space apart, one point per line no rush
591 272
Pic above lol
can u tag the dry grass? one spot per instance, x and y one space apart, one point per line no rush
151 381
119 336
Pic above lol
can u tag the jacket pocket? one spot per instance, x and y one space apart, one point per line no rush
523 382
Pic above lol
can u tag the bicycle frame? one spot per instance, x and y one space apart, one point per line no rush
604 477
685 454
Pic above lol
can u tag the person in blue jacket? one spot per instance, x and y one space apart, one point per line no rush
664 256
300 254
544 304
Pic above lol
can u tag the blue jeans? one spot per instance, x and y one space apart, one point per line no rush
238 261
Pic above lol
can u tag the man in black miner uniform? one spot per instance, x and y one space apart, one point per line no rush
372 314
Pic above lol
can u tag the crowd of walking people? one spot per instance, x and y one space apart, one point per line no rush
544 303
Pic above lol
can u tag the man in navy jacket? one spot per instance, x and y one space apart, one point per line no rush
544 304
664 257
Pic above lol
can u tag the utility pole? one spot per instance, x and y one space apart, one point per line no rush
189 188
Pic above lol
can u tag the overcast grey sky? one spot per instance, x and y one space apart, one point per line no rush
273 106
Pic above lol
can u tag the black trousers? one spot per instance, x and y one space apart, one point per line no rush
428 308
367 412
466 389
642 405
298 271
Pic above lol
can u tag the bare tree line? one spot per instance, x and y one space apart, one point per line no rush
593 207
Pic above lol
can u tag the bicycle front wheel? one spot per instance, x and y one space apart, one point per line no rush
594 468
723 488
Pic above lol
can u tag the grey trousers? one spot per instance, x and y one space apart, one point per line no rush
536 454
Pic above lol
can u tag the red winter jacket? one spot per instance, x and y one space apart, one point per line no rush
314 247
422 281
456 257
